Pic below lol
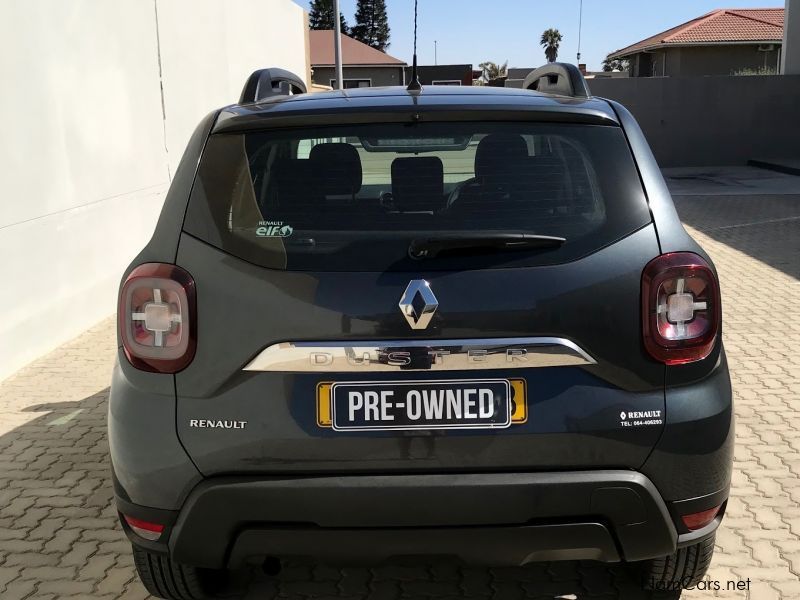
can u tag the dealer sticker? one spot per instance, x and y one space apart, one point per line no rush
640 418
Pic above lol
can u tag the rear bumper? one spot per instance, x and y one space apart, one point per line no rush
498 518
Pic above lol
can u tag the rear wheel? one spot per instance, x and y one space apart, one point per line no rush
164 578
683 569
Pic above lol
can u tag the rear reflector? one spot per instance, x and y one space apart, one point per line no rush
157 318
144 529
701 519
680 308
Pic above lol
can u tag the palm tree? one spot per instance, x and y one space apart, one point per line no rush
551 38
491 70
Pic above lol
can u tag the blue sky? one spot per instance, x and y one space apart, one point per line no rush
499 30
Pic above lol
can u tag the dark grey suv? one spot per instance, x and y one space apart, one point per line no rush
379 323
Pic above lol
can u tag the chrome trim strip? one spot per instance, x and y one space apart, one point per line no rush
419 355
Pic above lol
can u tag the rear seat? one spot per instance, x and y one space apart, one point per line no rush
328 179
337 173
523 185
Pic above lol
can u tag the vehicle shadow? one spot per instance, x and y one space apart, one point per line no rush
448 579
766 227
56 503
59 530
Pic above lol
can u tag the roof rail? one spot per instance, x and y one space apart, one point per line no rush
562 79
265 83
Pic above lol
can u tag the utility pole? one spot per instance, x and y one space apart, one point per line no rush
790 51
337 44
580 22
435 52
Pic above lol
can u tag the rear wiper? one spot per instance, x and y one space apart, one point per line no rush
465 243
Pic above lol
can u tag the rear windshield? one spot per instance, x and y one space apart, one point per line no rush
355 197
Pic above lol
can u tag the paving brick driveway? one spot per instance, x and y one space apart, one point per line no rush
58 531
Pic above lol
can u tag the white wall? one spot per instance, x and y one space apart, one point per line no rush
206 65
86 153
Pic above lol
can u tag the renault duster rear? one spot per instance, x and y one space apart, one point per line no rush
381 323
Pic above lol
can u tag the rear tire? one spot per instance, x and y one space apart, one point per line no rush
164 578
683 569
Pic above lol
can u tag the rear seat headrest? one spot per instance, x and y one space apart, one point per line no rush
495 149
294 183
336 169
418 183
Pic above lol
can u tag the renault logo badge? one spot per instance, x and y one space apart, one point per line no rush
418 304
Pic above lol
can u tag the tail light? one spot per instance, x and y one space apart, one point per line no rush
158 318
680 308
699 520
145 529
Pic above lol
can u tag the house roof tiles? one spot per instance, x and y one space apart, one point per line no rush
353 51
729 25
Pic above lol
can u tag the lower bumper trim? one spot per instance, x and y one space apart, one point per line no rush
504 518
490 546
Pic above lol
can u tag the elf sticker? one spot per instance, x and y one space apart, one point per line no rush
273 229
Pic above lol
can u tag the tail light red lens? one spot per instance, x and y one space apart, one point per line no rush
680 308
144 529
699 520
157 318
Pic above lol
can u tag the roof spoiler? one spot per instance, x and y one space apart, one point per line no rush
562 79
266 83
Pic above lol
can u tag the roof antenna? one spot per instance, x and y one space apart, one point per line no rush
414 85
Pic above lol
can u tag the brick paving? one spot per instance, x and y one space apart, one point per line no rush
59 536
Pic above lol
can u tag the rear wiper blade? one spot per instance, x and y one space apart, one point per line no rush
465 243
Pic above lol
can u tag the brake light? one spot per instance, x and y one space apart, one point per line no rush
680 308
145 529
157 318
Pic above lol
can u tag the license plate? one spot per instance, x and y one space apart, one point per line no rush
409 405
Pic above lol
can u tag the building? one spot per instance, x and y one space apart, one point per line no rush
102 113
722 42
362 66
516 75
442 74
